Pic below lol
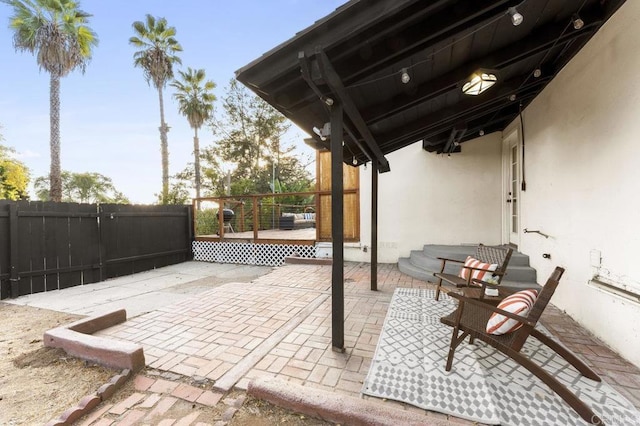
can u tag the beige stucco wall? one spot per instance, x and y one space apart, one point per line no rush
583 180
436 199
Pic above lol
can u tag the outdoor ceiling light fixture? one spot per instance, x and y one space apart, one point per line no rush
405 77
516 17
478 82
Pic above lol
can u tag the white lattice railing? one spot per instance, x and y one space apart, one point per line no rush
249 253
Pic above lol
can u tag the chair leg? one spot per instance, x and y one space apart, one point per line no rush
455 342
569 397
565 353
438 285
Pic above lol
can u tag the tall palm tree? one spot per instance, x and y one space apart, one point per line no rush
195 101
156 57
56 32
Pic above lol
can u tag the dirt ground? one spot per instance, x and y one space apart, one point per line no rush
37 384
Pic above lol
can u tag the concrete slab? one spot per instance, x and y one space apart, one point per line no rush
142 292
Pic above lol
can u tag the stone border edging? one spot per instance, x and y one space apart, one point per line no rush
76 339
333 407
89 402
296 260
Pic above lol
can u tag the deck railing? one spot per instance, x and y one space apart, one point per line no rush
261 217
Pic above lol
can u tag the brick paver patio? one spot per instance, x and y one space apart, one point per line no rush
280 326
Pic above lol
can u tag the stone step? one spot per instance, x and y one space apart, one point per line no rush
461 252
423 263
408 268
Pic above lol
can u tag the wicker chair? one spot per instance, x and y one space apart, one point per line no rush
471 317
485 254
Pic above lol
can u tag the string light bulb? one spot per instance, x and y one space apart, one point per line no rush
405 77
516 17
578 23
354 161
537 72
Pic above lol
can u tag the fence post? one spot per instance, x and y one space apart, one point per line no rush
191 212
100 225
14 277
255 218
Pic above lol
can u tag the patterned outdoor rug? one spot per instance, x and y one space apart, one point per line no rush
483 385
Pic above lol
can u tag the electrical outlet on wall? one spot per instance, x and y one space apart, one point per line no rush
596 258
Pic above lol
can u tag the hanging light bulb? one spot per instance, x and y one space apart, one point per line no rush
354 161
537 72
481 132
578 23
405 77
516 17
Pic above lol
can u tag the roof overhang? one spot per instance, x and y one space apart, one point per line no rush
358 54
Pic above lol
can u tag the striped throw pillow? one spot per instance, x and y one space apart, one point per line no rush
472 262
519 303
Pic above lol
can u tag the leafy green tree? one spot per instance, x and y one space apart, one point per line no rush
56 32
248 136
14 176
82 188
178 194
157 56
195 101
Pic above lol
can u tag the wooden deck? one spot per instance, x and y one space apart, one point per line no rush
307 235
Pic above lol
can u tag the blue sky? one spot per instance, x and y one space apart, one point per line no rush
109 115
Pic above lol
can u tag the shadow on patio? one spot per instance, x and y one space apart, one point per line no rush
280 326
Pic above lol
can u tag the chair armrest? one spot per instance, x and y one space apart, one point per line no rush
462 299
483 270
484 284
450 260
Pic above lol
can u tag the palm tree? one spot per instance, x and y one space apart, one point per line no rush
56 32
195 101
156 57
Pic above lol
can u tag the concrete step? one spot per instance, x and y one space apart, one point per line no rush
461 253
423 263
450 252
520 285
406 267
431 264
521 273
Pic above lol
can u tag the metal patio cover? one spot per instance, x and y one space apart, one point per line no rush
358 54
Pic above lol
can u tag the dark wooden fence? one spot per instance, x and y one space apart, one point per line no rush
48 246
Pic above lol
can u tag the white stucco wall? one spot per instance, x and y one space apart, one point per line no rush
583 179
435 199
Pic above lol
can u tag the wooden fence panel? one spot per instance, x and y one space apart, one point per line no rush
47 246
31 248
139 238
5 247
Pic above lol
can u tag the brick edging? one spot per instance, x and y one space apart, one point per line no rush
89 402
76 339
333 407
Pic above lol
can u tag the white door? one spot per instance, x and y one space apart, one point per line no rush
511 196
